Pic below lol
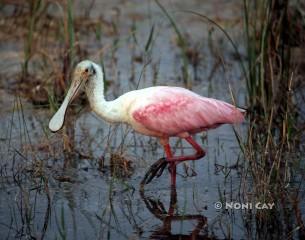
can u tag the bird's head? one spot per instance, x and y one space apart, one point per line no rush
84 74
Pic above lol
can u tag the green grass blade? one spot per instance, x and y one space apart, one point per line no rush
150 37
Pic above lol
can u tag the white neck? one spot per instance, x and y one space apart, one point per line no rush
111 111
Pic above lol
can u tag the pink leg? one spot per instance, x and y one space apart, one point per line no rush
199 152
174 160
172 165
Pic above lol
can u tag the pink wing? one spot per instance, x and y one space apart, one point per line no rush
172 110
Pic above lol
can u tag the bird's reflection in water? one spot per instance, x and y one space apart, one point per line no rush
156 207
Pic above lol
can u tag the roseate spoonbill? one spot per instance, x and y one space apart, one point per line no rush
161 111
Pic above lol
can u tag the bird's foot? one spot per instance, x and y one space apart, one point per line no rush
155 170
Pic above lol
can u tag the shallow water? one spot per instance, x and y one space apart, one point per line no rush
46 193
94 204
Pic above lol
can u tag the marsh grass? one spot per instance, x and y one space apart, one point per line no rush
271 161
273 130
270 84
26 175
182 44
69 41
28 46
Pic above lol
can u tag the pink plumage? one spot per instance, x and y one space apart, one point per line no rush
162 112
171 111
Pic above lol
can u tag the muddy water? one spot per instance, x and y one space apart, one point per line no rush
46 193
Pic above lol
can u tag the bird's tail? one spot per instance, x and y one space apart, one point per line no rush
243 111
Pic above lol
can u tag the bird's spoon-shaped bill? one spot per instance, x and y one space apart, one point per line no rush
57 120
